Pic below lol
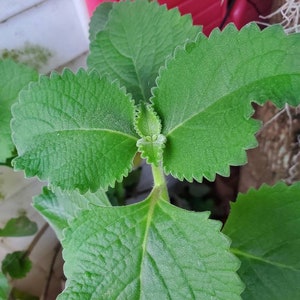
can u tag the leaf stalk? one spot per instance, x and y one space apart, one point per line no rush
160 183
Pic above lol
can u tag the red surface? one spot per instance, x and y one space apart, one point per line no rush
208 13
211 13
245 11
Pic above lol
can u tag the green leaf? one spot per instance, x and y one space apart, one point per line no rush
204 96
59 207
16 264
4 287
147 123
99 19
76 130
151 250
135 42
13 77
17 227
264 226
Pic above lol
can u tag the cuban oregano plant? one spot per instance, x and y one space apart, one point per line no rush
157 86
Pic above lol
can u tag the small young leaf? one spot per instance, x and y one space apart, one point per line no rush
147 123
151 148
59 207
204 96
135 42
4 287
16 264
13 77
264 226
151 250
17 227
76 130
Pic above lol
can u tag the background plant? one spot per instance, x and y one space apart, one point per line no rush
15 265
189 114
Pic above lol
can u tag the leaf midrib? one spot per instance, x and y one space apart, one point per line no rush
91 129
153 199
229 95
248 255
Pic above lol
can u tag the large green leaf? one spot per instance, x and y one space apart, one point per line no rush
59 207
204 96
13 77
135 42
76 130
264 226
151 250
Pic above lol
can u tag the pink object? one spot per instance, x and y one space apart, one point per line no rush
245 11
209 13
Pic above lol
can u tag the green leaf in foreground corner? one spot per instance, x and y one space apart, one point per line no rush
76 130
4 287
151 250
204 96
59 207
17 227
135 42
264 226
13 77
16 264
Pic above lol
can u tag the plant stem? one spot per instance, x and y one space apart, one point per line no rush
160 182
36 239
51 270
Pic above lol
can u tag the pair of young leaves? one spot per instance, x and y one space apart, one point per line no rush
79 131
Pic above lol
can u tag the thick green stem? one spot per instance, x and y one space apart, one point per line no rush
160 182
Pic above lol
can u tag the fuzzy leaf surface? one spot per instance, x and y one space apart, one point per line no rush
75 130
17 227
13 77
205 92
138 37
264 226
59 207
151 250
